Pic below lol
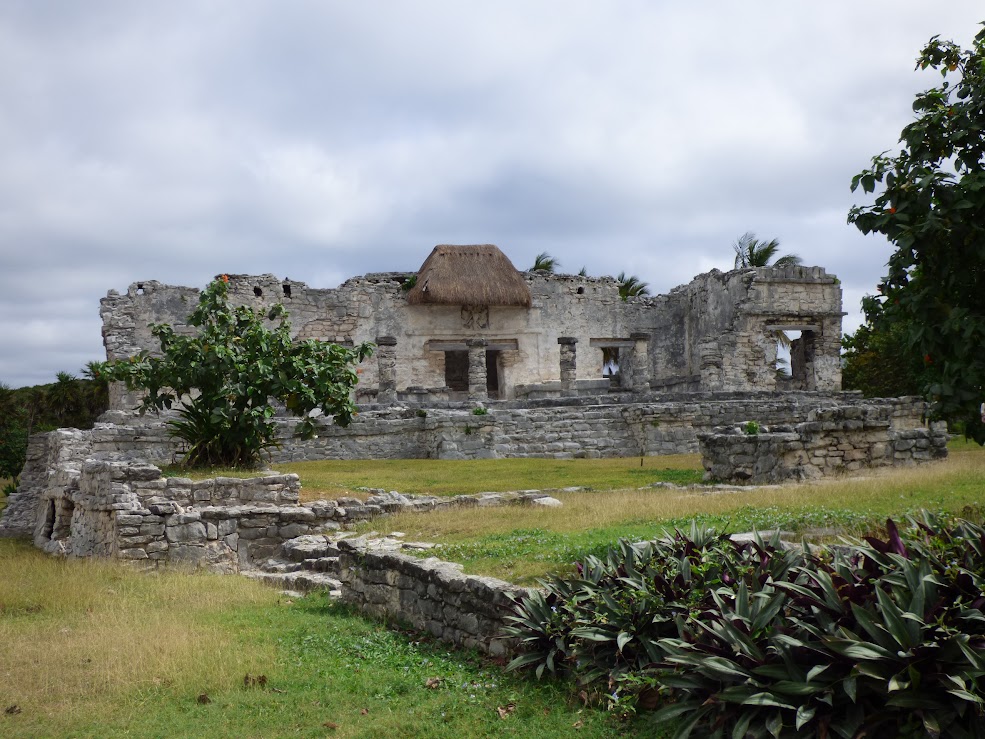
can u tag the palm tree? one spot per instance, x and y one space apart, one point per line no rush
631 286
544 262
63 396
751 252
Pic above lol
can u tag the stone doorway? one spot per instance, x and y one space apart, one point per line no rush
457 371
492 373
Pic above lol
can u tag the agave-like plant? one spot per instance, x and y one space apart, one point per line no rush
879 637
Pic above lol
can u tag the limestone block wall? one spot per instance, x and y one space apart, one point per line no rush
734 344
709 334
54 461
832 441
607 426
126 509
429 594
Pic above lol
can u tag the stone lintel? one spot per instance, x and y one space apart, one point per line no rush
503 345
611 343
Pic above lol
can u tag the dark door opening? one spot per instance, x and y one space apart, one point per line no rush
492 373
457 371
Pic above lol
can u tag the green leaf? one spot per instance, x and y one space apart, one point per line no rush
766 699
804 716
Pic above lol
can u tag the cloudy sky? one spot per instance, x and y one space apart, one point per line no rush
323 139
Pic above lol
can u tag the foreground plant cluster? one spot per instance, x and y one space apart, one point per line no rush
881 637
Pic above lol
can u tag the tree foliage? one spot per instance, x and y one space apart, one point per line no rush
223 379
68 402
930 204
631 286
751 252
878 359
544 262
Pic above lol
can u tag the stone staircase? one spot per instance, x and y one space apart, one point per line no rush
304 564
311 562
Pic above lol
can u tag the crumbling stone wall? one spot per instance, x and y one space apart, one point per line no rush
716 333
429 594
832 441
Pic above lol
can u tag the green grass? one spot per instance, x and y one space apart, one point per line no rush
523 543
92 648
450 477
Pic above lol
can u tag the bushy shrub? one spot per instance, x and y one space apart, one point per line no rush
223 379
880 638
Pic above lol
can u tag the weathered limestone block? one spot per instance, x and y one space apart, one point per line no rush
193 532
833 440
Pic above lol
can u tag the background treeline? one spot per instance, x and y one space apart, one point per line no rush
70 401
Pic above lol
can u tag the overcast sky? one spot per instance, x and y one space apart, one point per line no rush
318 140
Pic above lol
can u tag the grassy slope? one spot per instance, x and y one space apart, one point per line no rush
92 648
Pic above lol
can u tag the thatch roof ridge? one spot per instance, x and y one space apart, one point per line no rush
473 274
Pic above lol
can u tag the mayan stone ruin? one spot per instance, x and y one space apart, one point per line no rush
472 327
558 365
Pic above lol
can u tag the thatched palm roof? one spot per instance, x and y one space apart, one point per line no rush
469 275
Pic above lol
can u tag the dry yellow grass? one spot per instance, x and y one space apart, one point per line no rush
958 481
78 632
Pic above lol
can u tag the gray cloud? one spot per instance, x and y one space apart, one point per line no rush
318 140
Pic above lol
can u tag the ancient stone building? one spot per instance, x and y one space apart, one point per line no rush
469 326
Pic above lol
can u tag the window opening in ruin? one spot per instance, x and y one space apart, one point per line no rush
492 373
258 292
287 291
610 363
784 340
802 360
140 288
457 370
581 290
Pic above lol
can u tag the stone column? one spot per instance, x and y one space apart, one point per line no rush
568 364
477 369
641 363
386 357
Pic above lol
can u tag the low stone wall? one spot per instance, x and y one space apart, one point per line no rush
125 509
601 426
831 441
430 595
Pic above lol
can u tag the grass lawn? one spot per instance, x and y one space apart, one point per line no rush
93 648
451 477
521 543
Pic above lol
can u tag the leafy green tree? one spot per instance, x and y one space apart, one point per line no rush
631 286
930 204
223 379
751 252
878 360
544 262
13 436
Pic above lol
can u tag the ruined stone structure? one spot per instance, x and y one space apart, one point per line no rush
474 328
831 441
